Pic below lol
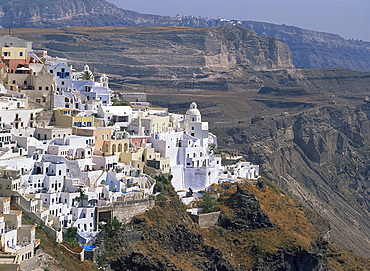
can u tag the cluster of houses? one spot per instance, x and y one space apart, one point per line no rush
92 151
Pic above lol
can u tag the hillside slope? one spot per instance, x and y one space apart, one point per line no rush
171 241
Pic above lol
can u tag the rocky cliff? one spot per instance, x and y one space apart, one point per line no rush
171 57
311 49
321 156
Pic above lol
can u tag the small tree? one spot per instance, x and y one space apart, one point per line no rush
117 102
158 187
190 192
86 75
209 204
70 237
111 227
81 197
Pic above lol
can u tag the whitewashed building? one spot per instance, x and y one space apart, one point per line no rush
192 164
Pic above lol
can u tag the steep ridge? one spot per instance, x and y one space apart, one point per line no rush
311 49
65 13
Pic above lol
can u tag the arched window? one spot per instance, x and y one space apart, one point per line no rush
120 147
113 148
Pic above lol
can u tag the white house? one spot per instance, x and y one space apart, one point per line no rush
120 116
192 164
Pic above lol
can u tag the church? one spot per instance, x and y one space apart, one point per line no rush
191 161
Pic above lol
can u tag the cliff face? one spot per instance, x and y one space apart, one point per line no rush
321 157
172 57
311 49
232 46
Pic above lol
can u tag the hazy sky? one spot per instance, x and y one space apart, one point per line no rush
348 18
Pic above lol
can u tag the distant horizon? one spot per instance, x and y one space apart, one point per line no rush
349 19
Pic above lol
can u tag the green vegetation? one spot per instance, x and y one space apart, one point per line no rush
70 237
117 102
189 193
26 220
164 185
213 148
111 227
86 75
209 204
81 197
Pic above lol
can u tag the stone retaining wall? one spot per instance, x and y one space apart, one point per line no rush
125 211
206 220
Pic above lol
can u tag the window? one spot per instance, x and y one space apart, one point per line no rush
5 53
20 53
46 88
192 128
60 172
62 83
25 82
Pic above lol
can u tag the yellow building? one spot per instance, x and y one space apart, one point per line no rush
116 146
127 157
101 134
16 53
66 117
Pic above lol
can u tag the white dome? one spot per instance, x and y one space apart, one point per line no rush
193 110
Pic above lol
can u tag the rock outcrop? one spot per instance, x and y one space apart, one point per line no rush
292 260
245 211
